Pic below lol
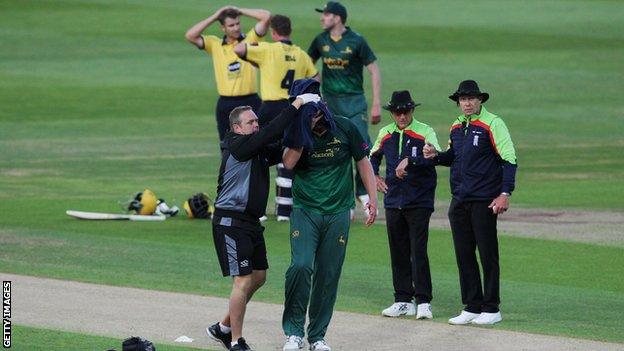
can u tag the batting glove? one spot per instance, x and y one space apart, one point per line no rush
309 97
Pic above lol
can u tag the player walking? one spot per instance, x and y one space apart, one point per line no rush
319 225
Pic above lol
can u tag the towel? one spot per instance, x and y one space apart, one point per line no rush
299 132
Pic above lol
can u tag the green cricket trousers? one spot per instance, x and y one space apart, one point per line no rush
318 244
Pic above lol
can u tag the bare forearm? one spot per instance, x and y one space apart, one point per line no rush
368 178
262 16
291 157
375 82
258 14
195 31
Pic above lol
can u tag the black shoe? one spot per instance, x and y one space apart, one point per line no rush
241 346
215 333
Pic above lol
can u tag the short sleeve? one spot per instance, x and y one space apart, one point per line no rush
257 53
313 50
252 36
310 69
209 42
366 54
359 147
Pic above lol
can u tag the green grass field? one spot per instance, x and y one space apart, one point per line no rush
27 338
100 99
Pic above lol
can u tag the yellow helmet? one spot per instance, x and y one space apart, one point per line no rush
144 203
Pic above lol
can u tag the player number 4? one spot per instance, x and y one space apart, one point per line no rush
288 79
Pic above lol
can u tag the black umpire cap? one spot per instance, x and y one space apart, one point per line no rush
336 8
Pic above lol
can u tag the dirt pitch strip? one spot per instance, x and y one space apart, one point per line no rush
163 316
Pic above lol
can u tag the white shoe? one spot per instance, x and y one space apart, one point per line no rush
486 318
320 345
293 343
263 218
424 311
283 218
400 309
463 318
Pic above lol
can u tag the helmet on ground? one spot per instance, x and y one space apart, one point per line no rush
199 206
144 203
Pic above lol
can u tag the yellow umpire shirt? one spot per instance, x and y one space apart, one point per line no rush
234 76
280 64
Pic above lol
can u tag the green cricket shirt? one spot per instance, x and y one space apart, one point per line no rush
323 179
343 60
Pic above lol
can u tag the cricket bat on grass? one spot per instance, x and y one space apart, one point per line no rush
113 216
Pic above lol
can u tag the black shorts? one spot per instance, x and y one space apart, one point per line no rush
226 104
269 110
240 246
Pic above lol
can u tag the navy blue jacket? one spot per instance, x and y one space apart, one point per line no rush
417 188
481 156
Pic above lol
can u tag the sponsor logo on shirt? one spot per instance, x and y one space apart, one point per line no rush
342 241
334 142
234 66
323 154
234 70
347 51
289 58
335 63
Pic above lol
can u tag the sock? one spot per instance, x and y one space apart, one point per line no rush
224 329
234 343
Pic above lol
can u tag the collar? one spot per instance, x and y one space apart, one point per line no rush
344 34
408 127
286 41
464 118
240 38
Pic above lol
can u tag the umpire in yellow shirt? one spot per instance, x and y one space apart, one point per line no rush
235 78
280 63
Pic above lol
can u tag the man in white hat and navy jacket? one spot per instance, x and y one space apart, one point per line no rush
483 171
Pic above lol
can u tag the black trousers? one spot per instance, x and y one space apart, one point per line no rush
408 233
269 110
225 105
474 227
283 196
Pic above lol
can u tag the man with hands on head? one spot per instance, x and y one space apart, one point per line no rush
483 170
235 78
319 223
242 192
409 191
